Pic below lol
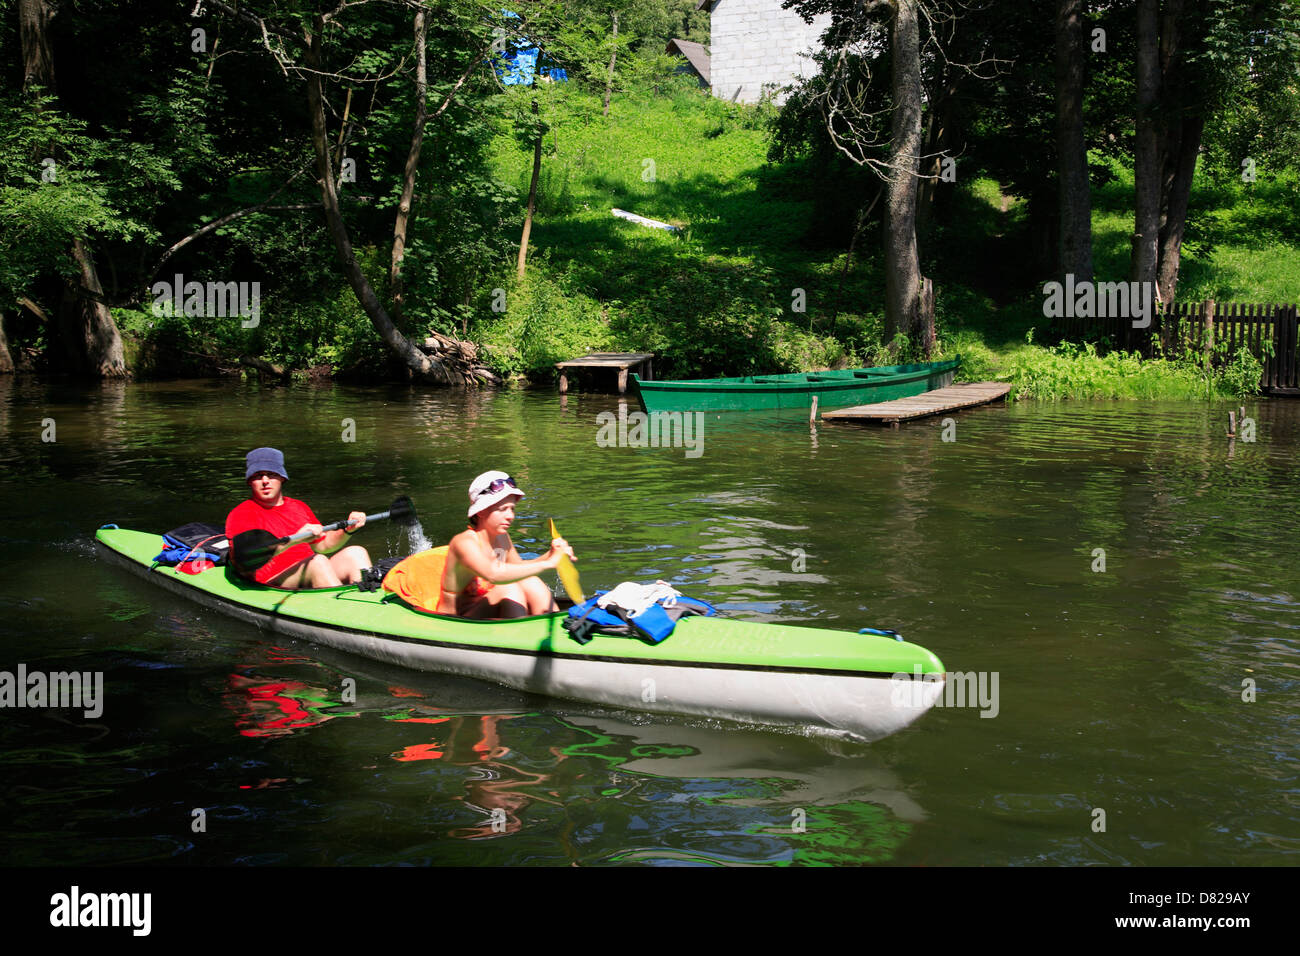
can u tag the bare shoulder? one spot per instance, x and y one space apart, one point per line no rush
467 538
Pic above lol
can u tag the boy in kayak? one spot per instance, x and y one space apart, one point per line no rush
484 577
312 564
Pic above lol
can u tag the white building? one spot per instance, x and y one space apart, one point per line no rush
756 47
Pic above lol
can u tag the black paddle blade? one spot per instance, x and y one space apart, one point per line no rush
251 549
403 511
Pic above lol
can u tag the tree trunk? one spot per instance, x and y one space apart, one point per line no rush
395 286
1043 227
925 319
609 83
6 361
266 372
902 263
1146 159
1180 191
532 201
411 357
1074 253
89 334
1180 145
402 224
33 29
927 186
941 132
863 215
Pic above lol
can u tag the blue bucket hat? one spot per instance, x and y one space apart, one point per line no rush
265 459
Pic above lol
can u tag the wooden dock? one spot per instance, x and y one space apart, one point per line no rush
619 360
940 400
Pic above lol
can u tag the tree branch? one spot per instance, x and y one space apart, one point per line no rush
217 224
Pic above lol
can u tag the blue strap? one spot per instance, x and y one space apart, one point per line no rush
882 632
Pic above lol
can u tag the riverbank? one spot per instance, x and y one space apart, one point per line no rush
718 297
752 281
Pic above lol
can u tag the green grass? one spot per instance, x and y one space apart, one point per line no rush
718 297
1242 242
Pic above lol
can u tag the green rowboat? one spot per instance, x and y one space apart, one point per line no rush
795 391
838 682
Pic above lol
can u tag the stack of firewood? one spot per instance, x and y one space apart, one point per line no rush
460 359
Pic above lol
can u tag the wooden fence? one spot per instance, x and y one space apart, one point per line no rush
1207 327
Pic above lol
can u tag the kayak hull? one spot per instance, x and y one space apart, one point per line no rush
795 391
823 689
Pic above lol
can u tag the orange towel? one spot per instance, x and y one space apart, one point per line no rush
418 579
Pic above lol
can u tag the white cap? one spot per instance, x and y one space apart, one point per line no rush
481 497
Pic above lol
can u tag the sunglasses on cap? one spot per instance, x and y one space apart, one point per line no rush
497 485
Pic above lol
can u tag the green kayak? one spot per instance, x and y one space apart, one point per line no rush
861 685
795 391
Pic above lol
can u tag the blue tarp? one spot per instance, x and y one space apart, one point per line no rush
518 67
517 63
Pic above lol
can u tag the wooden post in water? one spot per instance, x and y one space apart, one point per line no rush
812 414
1232 424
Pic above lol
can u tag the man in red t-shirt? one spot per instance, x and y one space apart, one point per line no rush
312 564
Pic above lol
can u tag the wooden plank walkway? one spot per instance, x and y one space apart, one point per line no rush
619 360
936 402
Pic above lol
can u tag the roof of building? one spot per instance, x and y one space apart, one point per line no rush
695 54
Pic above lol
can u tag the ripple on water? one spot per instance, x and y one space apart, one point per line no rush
1121 688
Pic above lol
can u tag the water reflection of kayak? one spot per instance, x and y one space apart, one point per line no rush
837 681
816 772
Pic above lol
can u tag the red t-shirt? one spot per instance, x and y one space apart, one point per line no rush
282 520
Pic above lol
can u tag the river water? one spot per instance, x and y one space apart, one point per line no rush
1127 574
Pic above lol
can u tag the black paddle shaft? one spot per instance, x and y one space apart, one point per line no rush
253 548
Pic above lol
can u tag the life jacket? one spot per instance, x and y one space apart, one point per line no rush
193 544
653 624
417 580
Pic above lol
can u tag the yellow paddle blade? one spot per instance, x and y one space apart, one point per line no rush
568 573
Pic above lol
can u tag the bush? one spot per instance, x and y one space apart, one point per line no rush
1074 371
796 350
1241 376
544 323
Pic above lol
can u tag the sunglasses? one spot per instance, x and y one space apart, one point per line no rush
497 485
